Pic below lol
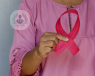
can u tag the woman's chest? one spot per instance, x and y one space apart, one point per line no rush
47 18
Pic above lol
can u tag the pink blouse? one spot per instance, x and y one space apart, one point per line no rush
44 14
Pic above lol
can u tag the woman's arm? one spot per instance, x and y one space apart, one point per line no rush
32 59
25 57
31 62
23 45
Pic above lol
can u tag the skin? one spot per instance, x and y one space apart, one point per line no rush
48 42
69 2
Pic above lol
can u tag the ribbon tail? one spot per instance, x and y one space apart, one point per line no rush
73 48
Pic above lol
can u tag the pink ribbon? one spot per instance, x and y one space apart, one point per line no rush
62 45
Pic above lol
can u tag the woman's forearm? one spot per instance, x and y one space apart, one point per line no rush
30 62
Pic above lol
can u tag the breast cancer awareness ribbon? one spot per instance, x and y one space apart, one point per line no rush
71 45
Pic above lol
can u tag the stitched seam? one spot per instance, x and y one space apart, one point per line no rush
85 37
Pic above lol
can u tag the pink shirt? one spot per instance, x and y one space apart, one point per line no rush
44 16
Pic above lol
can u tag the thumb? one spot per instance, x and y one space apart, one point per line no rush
61 37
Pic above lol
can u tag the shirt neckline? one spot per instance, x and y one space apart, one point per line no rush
57 4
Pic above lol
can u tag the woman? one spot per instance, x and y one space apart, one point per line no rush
32 50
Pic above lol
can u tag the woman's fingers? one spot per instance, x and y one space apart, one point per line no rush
44 51
48 42
60 37
50 37
47 49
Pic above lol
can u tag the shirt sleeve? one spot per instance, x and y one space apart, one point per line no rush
23 42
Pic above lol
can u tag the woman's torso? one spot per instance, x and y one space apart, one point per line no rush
46 13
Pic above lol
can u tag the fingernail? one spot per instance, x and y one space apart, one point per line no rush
67 39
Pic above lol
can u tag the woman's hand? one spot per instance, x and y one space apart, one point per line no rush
48 42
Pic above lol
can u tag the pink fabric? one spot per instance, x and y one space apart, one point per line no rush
44 14
62 45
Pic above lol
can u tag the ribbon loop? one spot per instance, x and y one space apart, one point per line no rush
62 45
